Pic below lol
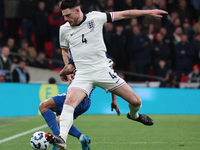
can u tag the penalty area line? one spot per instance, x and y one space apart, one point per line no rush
21 134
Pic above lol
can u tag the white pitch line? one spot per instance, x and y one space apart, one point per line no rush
143 142
114 143
21 134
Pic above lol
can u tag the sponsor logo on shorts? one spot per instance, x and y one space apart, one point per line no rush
117 81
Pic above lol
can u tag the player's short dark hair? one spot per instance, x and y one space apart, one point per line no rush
69 4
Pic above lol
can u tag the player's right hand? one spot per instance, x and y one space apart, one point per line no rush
114 105
157 13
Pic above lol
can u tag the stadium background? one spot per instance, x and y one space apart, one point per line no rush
155 100
177 106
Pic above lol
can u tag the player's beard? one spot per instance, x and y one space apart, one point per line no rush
71 23
74 21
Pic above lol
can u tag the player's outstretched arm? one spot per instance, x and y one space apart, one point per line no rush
126 14
114 104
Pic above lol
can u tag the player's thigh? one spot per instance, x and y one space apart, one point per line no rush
59 101
82 82
74 96
128 94
47 104
79 89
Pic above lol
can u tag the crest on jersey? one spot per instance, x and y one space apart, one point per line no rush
91 25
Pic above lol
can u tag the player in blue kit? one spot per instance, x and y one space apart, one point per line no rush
55 104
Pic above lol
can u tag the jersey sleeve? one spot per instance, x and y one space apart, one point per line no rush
62 38
110 17
105 17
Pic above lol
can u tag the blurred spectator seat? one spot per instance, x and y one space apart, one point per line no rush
20 33
151 73
57 69
33 40
193 22
189 85
50 65
135 84
184 79
49 48
154 84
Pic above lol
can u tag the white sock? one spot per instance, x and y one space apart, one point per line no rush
66 120
134 111
81 137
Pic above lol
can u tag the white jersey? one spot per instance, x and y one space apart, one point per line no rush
86 42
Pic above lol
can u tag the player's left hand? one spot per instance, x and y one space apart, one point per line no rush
157 13
64 78
115 106
70 78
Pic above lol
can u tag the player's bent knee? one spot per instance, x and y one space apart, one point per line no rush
74 97
46 105
136 102
139 101
43 107
72 102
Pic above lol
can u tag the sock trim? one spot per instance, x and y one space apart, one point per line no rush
81 137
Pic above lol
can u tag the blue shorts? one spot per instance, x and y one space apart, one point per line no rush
80 109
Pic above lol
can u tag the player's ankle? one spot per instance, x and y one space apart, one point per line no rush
81 137
63 137
134 116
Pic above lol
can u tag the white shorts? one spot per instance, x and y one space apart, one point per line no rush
104 78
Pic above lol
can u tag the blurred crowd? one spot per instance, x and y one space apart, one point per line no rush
167 47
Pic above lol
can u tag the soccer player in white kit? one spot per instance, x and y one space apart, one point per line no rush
83 35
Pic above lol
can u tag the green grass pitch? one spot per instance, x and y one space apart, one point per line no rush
112 132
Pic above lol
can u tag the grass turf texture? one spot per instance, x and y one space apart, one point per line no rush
110 132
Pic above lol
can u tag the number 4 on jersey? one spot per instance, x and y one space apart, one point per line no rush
112 75
84 40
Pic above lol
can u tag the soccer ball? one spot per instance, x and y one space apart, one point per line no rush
38 141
